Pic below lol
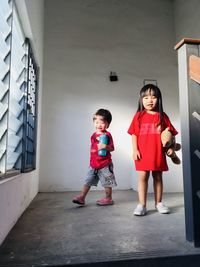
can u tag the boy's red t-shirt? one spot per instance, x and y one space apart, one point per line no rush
96 161
148 134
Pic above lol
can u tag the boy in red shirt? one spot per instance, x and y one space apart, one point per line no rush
101 167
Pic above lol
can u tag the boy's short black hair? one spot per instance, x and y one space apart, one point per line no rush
105 114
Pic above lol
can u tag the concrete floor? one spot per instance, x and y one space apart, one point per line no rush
55 232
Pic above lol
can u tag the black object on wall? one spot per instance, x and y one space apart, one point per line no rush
113 76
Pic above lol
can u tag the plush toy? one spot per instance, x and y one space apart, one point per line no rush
168 142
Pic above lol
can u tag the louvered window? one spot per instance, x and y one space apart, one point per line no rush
17 94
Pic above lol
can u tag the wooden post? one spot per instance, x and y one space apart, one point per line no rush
189 93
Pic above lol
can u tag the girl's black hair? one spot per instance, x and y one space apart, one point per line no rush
105 114
154 90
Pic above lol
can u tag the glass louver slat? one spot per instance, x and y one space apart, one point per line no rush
4 49
14 141
5 9
4 68
2 152
15 107
14 123
3 109
3 129
12 158
16 91
3 90
5 26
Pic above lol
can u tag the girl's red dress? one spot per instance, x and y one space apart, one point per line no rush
152 154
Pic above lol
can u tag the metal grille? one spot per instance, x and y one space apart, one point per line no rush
29 151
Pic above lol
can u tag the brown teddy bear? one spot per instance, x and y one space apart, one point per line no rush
170 146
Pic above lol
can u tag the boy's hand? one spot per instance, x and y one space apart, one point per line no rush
101 146
104 146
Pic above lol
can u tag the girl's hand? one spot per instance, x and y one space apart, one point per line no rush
136 155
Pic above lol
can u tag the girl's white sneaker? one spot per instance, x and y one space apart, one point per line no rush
162 208
140 210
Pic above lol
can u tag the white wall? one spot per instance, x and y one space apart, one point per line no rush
16 193
187 14
84 41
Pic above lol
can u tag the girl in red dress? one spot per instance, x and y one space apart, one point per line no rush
148 153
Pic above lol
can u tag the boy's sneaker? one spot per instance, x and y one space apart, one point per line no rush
79 200
140 210
162 208
105 201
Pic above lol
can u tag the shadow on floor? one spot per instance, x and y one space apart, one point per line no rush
55 232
